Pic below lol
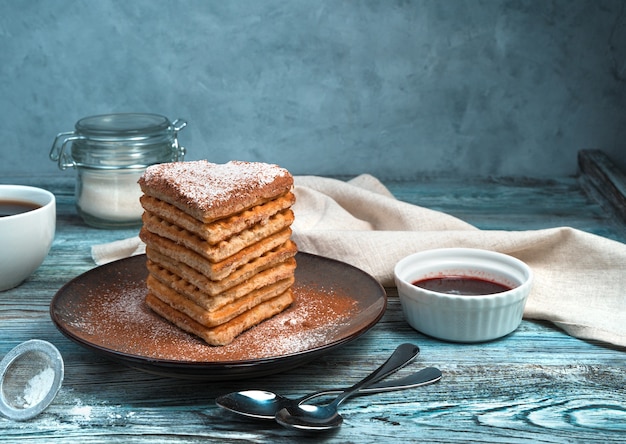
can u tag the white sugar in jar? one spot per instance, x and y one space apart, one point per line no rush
111 196
110 152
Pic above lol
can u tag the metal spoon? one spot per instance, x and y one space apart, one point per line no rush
326 417
261 404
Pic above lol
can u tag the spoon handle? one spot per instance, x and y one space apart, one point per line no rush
403 354
425 376
428 375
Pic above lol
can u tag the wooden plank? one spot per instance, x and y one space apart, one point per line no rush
513 203
604 180
535 385
525 387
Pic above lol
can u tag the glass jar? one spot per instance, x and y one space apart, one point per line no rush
110 152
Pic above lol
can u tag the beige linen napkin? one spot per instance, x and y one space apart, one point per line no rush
580 278
112 251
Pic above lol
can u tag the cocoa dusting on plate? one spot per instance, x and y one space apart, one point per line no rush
119 320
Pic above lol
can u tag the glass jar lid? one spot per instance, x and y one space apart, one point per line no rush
123 126
124 140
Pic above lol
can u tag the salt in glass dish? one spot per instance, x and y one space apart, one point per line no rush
31 375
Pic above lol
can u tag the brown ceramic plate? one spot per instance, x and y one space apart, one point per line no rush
104 311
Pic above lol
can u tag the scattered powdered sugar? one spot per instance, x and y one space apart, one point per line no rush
83 412
37 388
111 414
316 318
118 319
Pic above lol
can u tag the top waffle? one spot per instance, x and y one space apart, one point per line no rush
209 191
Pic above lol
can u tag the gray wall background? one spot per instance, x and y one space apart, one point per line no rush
398 89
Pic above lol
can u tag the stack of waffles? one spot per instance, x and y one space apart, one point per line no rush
218 242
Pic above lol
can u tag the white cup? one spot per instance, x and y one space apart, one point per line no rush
25 238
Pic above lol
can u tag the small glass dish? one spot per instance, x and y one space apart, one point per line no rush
31 375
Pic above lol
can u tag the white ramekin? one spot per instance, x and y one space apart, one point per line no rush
460 318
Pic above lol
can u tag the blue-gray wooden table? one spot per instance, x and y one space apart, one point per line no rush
535 385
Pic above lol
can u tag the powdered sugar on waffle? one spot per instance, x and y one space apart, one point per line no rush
206 185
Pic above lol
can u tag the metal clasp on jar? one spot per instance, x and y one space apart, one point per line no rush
58 152
179 151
